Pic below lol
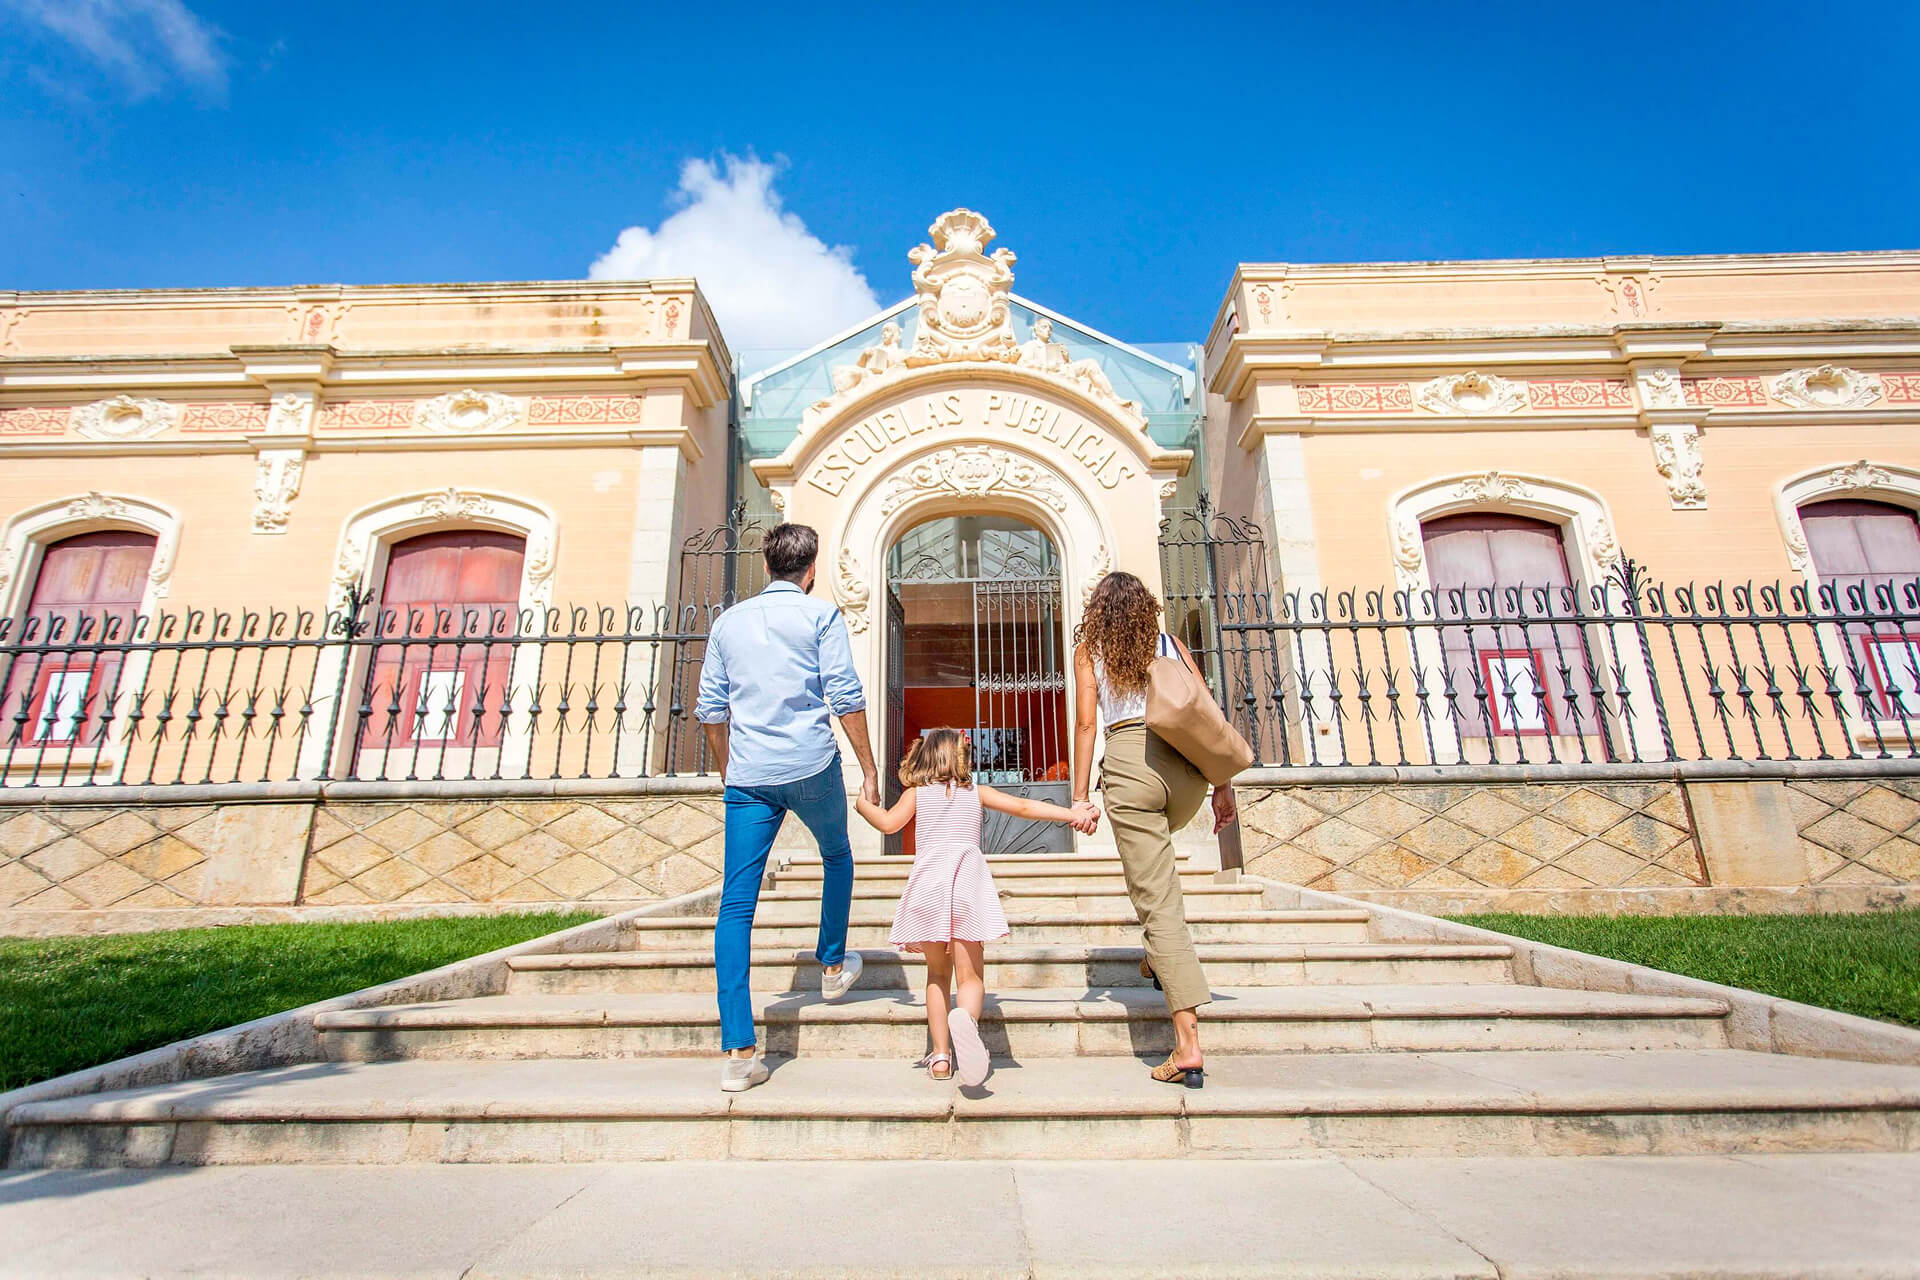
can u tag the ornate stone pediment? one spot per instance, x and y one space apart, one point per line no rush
1471 393
1827 386
125 418
962 295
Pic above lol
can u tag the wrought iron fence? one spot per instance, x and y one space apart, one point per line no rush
1628 670
250 696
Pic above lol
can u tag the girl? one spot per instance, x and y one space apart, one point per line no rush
951 909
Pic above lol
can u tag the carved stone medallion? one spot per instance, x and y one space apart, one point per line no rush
973 471
468 412
125 418
1471 394
1827 386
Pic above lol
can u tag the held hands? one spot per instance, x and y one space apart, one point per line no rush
1224 810
1085 819
870 787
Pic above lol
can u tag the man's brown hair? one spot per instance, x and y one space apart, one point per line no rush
789 549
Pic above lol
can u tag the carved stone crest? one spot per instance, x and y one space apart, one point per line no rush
961 291
1827 386
453 504
125 418
973 471
95 506
467 412
1471 393
1494 486
1858 475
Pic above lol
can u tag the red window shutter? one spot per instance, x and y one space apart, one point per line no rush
448 598
1527 676
1868 554
88 588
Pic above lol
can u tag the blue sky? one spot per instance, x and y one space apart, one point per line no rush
1130 154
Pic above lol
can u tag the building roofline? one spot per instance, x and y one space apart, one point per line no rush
274 293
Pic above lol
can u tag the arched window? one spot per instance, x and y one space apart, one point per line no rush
1526 676
86 586
448 604
1868 553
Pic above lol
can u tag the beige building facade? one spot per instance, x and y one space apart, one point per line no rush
456 545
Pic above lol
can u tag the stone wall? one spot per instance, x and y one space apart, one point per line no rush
1594 840
140 854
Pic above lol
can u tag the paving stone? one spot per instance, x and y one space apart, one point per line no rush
1885 808
1588 812
23 833
576 876
64 858
441 853
1338 841
1496 864
1643 836
1393 867
532 853
353 855
1385 814
583 828
1281 815
494 827
682 825
1601 864
391 879
1899 858
402 832
1486 813
480 878
1439 839
1541 838
105 885
163 857
19 882
629 850
119 833
1289 866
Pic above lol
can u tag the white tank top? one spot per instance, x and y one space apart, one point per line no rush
1127 706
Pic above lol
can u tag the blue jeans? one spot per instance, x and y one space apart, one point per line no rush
754 815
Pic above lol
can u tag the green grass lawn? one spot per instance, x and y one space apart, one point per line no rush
68 1003
1864 964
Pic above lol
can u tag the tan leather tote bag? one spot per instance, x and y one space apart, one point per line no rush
1181 709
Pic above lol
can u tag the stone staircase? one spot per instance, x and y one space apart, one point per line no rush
1322 1038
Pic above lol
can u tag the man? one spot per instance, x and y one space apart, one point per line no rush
777 667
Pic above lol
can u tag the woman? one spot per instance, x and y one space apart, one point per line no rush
1150 792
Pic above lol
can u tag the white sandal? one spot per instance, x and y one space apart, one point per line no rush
933 1060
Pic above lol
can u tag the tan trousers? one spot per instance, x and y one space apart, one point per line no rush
1151 792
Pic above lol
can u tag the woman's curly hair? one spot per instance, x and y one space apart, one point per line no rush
1121 629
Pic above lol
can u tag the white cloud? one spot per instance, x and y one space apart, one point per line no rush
770 281
145 43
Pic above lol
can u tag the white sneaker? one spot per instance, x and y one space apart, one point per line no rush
835 985
737 1075
969 1050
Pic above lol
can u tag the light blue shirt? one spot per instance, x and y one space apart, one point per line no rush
777 666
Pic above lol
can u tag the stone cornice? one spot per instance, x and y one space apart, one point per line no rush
1526 268
1612 350
1264 425
690 365
343 442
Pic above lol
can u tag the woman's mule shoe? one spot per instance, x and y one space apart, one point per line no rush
1191 1077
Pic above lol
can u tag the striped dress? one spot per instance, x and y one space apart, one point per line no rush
950 893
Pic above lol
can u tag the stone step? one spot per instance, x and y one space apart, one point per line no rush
1035 1023
895 874
871 902
1105 928
1014 967
1665 1102
1002 864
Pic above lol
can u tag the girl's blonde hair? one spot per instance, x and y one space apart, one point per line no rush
938 756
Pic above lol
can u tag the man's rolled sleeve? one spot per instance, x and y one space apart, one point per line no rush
711 706
842 683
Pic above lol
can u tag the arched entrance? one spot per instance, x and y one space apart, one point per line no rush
975 640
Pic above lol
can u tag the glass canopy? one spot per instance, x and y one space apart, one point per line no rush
1162 380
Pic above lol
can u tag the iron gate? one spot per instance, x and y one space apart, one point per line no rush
718 567
1213 573
1017 676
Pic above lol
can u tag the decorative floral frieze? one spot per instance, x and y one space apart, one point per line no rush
1494 486
453 504
125 418
1676 456
1353 397
1471 393
1725 393
850 587
973 471
276 483
1827 386
467 412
